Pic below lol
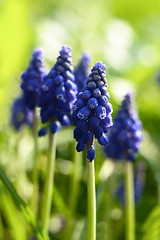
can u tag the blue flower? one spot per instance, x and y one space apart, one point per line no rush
125 135
57 93
81 72
32 79
91 112
20 114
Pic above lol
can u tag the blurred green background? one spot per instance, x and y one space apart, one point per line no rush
125 35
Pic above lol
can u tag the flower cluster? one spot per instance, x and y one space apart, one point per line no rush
32 79
57 93
125 134
81 72
91 112
20 114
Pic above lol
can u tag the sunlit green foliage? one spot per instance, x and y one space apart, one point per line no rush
125 36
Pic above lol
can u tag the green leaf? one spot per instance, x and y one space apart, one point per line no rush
151 227
59 202
23 207
9 212
1 228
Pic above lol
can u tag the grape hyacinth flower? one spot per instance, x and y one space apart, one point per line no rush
20 114
125 135
57 93
91 112
81 72
124 139
32 79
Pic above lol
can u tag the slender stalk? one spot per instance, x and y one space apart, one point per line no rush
48 188
75 181
91 226
35 176
129 201
77 171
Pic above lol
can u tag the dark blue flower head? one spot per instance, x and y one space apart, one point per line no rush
20 114
125 134
32 79
139 182
81 72
58 92
91 112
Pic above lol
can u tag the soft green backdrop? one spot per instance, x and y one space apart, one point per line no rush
125 35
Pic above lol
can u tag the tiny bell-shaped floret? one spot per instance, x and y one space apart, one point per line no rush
126 134
91 112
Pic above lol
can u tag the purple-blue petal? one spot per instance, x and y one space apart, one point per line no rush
91 154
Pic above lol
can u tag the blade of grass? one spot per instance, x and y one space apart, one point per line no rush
61 206
1 228
23 207
9 211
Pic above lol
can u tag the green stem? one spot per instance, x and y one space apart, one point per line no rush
75 181
48 188
77 170
35 177
129 201
91 227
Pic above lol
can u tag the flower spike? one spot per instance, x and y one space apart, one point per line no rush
32 79
125 134
91 112
58 92
81 71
